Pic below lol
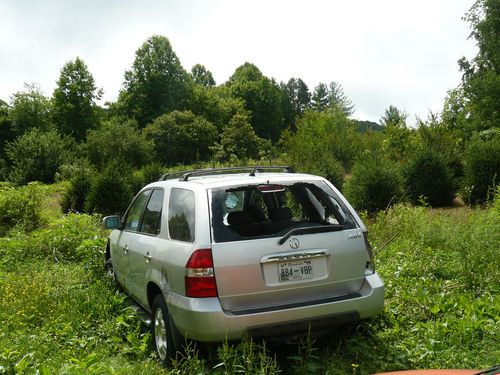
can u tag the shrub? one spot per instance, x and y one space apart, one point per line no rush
75 195
482 170
36 156
118 141
152 172
20 208
181 137
110 191
374 185
428 176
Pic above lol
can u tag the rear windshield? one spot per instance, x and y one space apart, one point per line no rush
272 210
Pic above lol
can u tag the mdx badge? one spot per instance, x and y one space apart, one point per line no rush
354 235
294 243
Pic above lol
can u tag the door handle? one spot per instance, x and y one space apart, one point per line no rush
147 257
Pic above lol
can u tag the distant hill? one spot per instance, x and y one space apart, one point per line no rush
364 126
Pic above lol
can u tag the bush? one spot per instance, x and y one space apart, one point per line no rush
374 185
20 208
75 195
181 137
36 156
482 170
118 141
110 191
428 176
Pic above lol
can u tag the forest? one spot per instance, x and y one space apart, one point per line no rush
429 193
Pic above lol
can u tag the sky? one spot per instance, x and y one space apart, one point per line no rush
384 52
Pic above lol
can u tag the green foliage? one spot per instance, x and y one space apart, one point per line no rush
36 156
181 137
238 140
481 75
399 143
319 98
74 108
262 97
118 141
20 208
202 76
110 192
321 138
296 99
29 109
156 84
60 314
428 178
76 194
215 104
338 99
482 170
374 185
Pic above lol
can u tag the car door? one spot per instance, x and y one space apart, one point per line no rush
144 246
127 239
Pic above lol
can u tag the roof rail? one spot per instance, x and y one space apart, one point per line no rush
185 175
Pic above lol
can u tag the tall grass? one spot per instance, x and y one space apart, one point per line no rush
59 313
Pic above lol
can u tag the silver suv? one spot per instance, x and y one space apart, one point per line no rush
213 254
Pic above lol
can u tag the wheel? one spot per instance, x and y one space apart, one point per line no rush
110 272
162 331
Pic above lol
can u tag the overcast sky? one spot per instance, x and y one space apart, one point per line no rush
383 52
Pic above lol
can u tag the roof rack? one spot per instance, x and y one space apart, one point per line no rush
185 175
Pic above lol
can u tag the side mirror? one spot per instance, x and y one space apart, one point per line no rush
111 222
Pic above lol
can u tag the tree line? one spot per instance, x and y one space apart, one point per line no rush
165 116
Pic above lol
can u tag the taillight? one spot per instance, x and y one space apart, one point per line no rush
370 262
200 279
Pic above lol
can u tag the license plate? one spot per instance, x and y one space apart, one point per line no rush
295 270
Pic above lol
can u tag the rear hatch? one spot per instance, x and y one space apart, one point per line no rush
284 245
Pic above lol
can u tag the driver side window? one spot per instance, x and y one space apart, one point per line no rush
135 211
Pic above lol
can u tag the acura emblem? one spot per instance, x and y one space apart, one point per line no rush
294 243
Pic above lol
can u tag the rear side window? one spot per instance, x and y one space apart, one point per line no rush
151 221
272 210
181 211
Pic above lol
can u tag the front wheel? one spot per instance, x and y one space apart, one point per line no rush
162 332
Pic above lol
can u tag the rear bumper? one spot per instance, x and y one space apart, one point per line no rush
203 319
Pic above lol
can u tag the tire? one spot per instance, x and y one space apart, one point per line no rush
162 331
110 272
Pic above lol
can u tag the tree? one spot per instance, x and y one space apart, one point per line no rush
393 117
74 108
202 76
216 104
481 75
156 84
296 99
337 98
181 137
6 132
36 156
29 109
320 97
262 97
121 141
325 143
238 140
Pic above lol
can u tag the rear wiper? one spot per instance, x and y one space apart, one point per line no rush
307 230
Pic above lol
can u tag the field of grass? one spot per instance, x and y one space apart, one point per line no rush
59 313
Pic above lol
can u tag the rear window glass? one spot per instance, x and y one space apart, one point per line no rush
181 208
257 211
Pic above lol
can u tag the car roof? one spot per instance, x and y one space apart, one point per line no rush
231 179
